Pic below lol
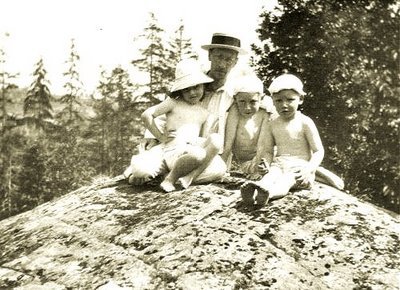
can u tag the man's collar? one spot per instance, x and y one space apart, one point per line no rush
221 88
207 88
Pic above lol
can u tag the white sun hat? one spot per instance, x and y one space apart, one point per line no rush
188 73
248 83
286 82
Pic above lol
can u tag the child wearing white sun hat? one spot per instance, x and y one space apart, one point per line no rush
298 147
244 122
181 151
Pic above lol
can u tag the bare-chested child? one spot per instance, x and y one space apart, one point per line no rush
185 123
244 122
299 150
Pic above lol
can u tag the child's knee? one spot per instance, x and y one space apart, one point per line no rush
216 142
197 154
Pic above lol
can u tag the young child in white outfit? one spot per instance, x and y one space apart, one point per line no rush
299 150
182 148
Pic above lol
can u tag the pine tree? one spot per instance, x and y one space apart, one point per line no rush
32 178
66 162
115 121
180 47
37 104
155 61
123 115
73 87
98 133
6 85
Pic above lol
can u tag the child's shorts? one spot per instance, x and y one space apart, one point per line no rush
146 164
290 165
214 171
243 167
173 153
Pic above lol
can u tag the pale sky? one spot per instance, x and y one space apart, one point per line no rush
104 31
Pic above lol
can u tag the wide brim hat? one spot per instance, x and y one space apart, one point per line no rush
188 73
221 40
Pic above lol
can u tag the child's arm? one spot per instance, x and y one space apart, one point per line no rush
206 127
265 146
149 115
232 122
314 140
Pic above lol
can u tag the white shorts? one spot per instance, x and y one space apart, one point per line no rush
172 153
289 165
214 171
148 163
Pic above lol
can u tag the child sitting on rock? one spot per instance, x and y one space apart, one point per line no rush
244 122
299 150
181 150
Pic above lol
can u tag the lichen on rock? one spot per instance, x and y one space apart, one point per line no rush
115 236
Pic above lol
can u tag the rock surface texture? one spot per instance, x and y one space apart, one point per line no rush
115 236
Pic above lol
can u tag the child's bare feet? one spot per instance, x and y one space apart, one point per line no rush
247 192
167 186
185 181
262 196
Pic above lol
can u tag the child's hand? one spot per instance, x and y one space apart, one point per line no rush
263 166
171 135
147 143
304 176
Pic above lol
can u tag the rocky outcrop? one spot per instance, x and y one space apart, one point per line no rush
115 236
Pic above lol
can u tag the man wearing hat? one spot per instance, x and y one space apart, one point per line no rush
223 54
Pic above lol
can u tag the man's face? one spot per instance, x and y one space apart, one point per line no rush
247 103
222 61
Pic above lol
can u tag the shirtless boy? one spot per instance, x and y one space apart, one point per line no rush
185 120
298 144
241 134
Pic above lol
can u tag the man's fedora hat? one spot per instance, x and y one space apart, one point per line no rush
221 40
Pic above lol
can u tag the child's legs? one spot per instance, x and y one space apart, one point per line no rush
215 170
185 163
290 167
267 184
212 146
281 186
261 187
328 177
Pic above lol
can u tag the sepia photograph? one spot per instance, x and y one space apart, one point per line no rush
199 145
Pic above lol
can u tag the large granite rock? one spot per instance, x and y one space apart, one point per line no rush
115 236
